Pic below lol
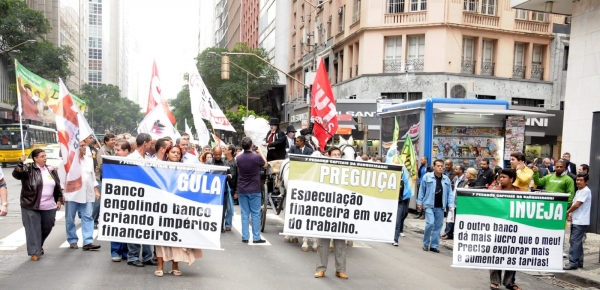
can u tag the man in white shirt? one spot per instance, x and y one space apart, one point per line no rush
161 148
579 216
184 144
143 142
82 201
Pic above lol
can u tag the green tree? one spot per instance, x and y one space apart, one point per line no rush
19 23
237 118
232 92
107 110
181 108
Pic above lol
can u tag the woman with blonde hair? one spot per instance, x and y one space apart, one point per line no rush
471 176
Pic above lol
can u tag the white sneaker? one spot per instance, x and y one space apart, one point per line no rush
565 255
402 235
395 244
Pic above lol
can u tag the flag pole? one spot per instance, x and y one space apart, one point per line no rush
22 140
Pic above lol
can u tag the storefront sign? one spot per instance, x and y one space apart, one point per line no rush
366 110
551 126
344 131
298 117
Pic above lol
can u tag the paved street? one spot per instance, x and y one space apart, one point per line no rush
276 265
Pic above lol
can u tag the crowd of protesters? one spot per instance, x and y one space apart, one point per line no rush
41 194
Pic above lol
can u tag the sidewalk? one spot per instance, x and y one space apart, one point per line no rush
589 275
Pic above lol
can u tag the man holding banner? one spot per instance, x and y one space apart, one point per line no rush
339 245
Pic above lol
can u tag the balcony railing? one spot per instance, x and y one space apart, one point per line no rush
392 65
532 26
417 64
537 72
467 66
487 68
405 18
519 71
480 19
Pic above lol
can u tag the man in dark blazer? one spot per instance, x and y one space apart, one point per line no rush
275 141
290 134
571 167
300 147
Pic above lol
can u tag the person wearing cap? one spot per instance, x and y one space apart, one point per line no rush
82 201
275 141
291 137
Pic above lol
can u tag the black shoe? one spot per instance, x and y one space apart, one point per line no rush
245 241
570 267
425 249
90 246
435 250
136 264
259 241
150 263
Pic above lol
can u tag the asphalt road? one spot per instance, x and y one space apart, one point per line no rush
277 265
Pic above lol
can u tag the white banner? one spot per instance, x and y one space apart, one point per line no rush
342 199
161 203
203 105
509 230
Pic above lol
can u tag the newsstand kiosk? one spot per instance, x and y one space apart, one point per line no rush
465 131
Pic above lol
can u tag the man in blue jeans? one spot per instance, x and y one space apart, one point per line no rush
435 194
249 188
579 216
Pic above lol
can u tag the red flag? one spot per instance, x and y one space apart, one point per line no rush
323 108
155 94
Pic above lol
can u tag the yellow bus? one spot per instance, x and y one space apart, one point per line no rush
34 136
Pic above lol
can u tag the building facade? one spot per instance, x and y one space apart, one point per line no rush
227 23
249 24
396 49
69 27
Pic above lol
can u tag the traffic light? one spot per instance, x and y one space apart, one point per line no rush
225 67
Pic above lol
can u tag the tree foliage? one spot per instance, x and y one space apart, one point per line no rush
19 23
182 108
237 118
107 110
232 92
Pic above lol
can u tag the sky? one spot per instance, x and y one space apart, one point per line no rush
165 31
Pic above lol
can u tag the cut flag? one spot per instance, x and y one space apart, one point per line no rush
409 168
157 124
218 141
155 96
67 127
323 108
203 104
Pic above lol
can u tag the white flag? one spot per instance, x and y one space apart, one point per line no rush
158 125
188 130
202 131
67 127
203 104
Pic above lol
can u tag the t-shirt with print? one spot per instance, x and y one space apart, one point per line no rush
581 216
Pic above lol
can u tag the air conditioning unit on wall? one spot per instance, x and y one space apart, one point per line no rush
460 90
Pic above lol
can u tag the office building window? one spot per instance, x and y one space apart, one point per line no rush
416 47
485 97
95 19
418 5
471 5
487 58
95 42
412 96
341 18
393 54
521 14
488 7
538 16
468 48
527 102
95 53
395 6
95 76
95 64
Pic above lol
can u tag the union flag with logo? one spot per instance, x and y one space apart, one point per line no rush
323 111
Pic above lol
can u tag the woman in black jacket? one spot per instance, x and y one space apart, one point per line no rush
41 197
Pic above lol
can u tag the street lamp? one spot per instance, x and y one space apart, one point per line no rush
11 48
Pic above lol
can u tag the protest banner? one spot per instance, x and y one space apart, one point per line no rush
39 97
509 230
341 199
161 203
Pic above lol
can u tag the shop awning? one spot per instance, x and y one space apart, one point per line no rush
484 112
396 112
